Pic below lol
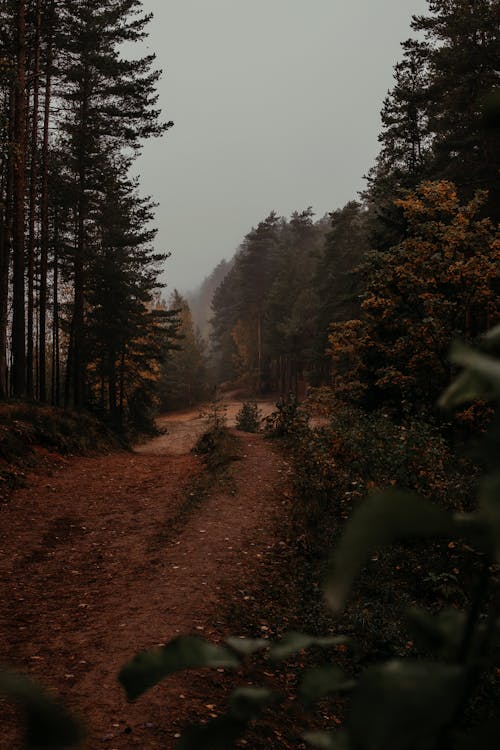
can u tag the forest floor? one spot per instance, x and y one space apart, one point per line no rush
113 554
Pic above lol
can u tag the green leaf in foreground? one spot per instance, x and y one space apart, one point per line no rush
328 740
246 703
320 682
48 724
441 634
481 379
383 518
188 652
247 646
404 704
293 642
489 498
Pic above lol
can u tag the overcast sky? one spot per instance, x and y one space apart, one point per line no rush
276 105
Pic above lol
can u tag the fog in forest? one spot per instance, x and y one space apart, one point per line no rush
276 107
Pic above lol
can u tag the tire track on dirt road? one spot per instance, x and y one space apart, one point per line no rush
86 588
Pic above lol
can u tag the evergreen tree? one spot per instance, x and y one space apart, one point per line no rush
122 279
463 52
292 301
337 280
184 372
109 108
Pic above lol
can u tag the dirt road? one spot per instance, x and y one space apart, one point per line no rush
117 553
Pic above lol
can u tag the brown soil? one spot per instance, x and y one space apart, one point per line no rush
112 555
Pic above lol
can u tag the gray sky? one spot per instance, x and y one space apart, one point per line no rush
276 106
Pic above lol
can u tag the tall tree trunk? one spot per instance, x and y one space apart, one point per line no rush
259 352
33 203
78 362
112 389
122 388
5 249
56 366
44 218
19 317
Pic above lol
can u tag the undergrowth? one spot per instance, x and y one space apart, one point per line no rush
249 417
217 446
27 430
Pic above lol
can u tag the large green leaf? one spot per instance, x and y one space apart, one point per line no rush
187 652
441 634
246 703
481 379
48 724
383 518
247 646
404 704
293 642
489 498
320 682
328 740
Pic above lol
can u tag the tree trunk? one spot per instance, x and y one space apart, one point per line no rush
5 249
19 318
259 352
56 368
44 223
79 265
33 204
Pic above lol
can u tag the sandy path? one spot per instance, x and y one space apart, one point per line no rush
183 428
102 560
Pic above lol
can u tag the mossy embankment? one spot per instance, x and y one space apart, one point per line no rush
34 437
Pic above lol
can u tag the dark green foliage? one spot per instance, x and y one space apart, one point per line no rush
337 278
25 428
218 447
150 667
48 725
382 519
249 417
288 421
183 379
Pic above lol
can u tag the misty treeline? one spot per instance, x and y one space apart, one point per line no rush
368 298
80 321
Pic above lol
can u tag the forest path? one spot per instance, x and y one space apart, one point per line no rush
118 553
183 428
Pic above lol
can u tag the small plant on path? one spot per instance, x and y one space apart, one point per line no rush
249 417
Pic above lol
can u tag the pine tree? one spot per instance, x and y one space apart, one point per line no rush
184 371
110 108
337 280
464 49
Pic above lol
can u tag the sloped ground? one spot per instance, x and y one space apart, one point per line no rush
109 557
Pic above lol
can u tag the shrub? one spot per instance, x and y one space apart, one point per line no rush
217 446
249 417
288 421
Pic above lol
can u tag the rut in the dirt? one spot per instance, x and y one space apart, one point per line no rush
97 567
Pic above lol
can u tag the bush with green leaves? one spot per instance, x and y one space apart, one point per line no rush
288 421
217 445
47 724
249 417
